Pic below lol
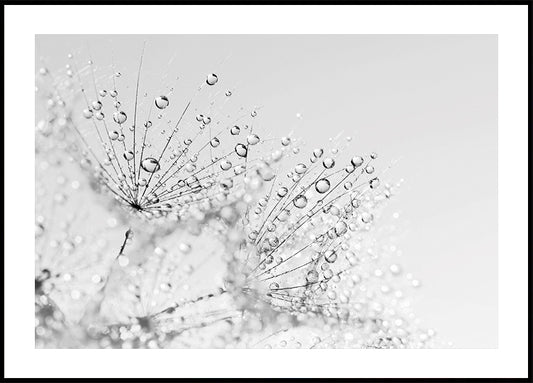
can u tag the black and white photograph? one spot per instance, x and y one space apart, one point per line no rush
216 187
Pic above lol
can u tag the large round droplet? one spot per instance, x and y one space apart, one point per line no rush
114 135
225 165
253 139
128 155
120 117
215 142
300 168
161 102
235 130
241 150
340 228
97 105
322 185
330 256
318 153
357 161
151 165
87 113
282 191
300 201
328 163
211 79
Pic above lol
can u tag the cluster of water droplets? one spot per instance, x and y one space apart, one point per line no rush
160 154
258 242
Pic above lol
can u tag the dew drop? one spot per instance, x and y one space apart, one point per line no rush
225 165
97 105
328 162
300 169
215 142
235 130
357 161
318 153
300 201
330 256
150 165
128 155
241 150
253 139
87 113
120 117
161 102
322 185
211 79
282 191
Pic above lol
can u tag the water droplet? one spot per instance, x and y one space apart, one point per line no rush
357 161
97 105
330 256
225 165
285 141
150 165
211 79
235 130
340 228
87 113
228 93
215 142
322 185
128 155
254 113
318 153
113 135
161 102
300 201
374 183
328 163
120 117
241 150
274 286
300 169
253 139
282 191
102 93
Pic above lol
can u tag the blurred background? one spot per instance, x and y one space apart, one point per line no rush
426 103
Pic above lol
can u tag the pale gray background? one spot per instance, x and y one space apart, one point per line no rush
429 101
